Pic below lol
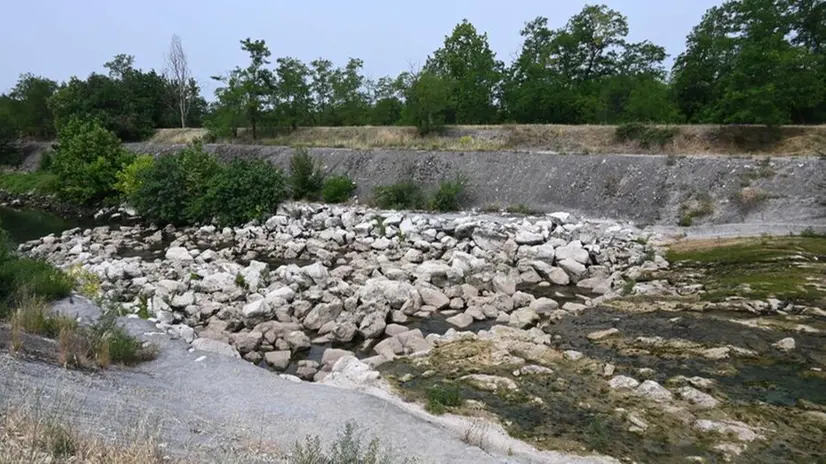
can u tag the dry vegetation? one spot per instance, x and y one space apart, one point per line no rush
694 140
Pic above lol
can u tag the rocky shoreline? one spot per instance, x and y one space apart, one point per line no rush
324 277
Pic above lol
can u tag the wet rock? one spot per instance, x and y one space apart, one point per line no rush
214 346
179 254
247 342
697 398
298 340
460 320
736 429
601 334
523 317
654 391
331 355
787 344
573 252
716 353
433 297
544 305
622 382
532 370
307 369
504 284
490 383
573 355
278 360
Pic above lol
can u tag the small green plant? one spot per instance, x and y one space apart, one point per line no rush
701 205
306 176
641 240
451 195
671 160
465 140
380 227
19 276
337 189
440 397
646 136
628 287
45 162
611 186
348 448
402 195
686 221
56 440
240 281
143 307
809 232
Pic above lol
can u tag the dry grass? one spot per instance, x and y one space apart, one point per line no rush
29 436
584 139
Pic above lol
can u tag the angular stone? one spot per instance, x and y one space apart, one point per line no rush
504 284
278 360
787 344
214 346
298 340
654 391
544 305
697 398
489 382
461 320
433 297
622 382
573 251
600 334
523 317
179 254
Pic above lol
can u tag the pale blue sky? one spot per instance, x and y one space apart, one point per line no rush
61 38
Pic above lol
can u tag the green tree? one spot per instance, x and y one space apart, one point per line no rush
467 61
32 113
387 105
87 162
248 89
752 61
322 90
245 190
291 96
426 102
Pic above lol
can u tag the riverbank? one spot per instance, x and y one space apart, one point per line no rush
582 322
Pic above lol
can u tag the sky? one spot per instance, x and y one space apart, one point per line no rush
59 38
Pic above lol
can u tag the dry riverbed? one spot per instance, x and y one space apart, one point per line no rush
573 335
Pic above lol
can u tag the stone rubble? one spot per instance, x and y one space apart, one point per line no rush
320 274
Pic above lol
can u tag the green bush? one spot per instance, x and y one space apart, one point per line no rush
19 276
173 188
161 196
46 161
306 176
338 189
646 136
107 336
129 176
442 397
87 161
245 190
450 196
402 195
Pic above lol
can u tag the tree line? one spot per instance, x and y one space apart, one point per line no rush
748 61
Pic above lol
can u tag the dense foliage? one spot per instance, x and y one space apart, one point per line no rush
306 176
193 187
337 189
87 161
748 61
245 190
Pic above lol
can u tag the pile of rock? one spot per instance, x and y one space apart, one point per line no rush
316 274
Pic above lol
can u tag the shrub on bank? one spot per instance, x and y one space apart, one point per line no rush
338 189
450 196
87 162
306 176
245 190
128 178
172 189
401 195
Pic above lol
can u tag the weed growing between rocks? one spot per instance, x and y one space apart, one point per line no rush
401 195
441 397
451 195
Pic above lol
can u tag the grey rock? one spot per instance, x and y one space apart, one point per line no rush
544 305
654 391
298 340
523 317
214 346
697 398
460 320
622 382
179 254
278 360
433 297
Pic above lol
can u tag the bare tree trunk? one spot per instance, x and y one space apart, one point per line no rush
179 75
